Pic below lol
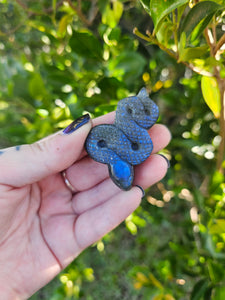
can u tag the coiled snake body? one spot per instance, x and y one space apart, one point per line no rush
125 143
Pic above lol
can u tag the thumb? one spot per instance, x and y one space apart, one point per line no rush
27 164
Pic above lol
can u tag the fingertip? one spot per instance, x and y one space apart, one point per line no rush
76 124
166 159
141 190
160 136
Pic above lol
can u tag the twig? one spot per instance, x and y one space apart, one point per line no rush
153 40
196 69
45 11
175 30
78 10
214 32
93 11
221 82
20 3
221 149
210 44
220 43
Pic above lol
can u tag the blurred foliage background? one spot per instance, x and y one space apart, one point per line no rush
60 59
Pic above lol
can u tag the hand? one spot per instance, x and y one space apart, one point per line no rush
43 226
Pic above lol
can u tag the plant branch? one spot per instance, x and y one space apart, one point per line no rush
210 44
221 82
221 149
92 13
153 40
45 11
220 43
175 31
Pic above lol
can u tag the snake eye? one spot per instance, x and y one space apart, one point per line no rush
129 110
147 112
101 144
135 146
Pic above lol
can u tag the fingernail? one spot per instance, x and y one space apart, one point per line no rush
142 190
166 159
76 124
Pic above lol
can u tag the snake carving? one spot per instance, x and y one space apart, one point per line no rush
126 142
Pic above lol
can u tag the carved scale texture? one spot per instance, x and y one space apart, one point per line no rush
125 143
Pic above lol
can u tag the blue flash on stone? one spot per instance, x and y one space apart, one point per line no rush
125 143
122 173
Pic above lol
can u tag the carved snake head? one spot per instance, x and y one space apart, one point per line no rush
141 109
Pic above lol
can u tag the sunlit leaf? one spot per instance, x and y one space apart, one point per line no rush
218 227
146 5
200 27
211 94
161 8
190 53
202 10
65 20
142 278
37 87
159 297
219 293
169 297
112 15
155 281
165 32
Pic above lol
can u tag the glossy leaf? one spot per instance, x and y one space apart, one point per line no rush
146 5
112 15
65 20
86 44
218 227
200 27
161 8
211 94
192 52
165 32
197 14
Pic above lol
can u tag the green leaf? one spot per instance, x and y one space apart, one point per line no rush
199 289
111 16
211 94
64 21
161 8
217 180
86 44
128 66
37 87
165 32
216 271
146 5
202 10
190 53
219 293
200 27
218 227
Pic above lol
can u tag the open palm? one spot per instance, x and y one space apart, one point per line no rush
43 225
